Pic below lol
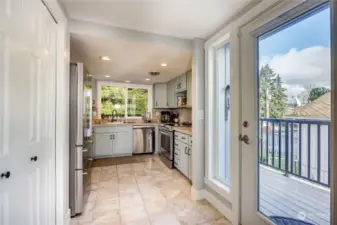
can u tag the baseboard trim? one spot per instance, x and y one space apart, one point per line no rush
67 217
197 194
227 212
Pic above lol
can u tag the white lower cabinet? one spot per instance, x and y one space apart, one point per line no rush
122 143
182 154
103 144
113 141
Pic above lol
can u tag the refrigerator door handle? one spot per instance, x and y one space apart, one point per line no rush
79 113
79 157
78 191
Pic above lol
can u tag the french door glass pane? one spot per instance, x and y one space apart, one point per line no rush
294 120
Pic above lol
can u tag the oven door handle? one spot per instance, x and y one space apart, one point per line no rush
165 133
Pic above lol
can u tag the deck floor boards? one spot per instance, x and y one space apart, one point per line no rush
289 197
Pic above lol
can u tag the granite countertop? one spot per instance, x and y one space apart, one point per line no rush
185 130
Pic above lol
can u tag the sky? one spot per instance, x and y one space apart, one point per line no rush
300 53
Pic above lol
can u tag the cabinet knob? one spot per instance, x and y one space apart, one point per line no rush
33 158
6 175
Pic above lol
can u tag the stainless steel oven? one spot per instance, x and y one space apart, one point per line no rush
166 145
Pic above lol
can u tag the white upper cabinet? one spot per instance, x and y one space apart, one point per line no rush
189 88
181 83
160 95
171 94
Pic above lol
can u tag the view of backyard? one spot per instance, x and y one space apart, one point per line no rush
294 127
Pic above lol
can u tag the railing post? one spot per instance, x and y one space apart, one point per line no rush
309 160
329 153
279 144
273 143
300 150
267 142
286 150
318 153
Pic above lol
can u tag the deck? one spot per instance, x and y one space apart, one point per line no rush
290 197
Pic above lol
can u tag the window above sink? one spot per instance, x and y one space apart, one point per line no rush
123 100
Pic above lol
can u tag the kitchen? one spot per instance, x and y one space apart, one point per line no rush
118 124
135 77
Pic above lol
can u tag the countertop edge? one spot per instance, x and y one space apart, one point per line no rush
184 130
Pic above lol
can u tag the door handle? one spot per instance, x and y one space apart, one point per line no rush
244 138
34 158
111 137
6 175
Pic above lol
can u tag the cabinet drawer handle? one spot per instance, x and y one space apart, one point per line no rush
6 175
34 158
176 144
176 153
186 150
183 138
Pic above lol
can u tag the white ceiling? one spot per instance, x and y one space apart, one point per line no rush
177 18
130 60
139 35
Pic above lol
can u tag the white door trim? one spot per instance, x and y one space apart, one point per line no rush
62 113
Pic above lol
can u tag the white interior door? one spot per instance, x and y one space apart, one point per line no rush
27 113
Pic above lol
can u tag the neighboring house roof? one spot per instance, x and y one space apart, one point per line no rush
319 108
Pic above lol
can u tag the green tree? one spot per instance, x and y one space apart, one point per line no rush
273 100
317 92
113 97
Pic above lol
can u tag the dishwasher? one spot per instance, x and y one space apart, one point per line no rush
143 140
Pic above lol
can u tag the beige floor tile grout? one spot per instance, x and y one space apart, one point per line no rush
141 195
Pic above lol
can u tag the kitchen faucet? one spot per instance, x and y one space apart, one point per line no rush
114 114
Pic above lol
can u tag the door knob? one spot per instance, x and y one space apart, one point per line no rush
6 175
34 158
244 138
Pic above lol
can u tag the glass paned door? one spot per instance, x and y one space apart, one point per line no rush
286 98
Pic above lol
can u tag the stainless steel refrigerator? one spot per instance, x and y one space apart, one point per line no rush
80 154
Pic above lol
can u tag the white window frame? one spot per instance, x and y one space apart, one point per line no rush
212 117
124 85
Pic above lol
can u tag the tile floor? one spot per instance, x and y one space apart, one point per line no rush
142 191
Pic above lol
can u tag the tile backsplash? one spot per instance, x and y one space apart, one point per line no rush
185 114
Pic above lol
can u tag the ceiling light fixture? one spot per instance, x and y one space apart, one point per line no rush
105 58
107 75
89 75
127 81
147 79
163 64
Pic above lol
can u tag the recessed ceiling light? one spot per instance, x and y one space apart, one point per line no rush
163 64
147 79
105 58
107 75
89 75
127 81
